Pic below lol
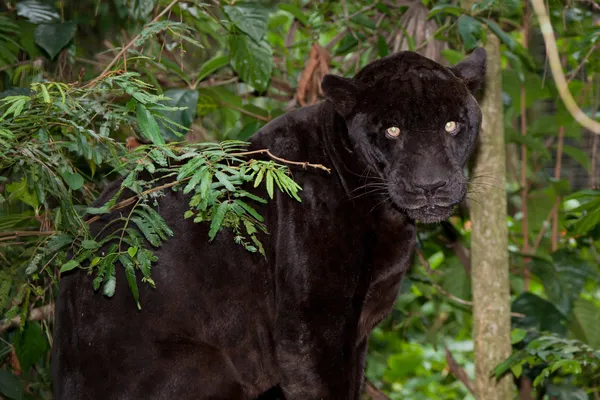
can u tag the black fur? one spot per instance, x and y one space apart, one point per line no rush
223 323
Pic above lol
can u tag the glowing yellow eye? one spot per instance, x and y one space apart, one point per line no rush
394 131
451 126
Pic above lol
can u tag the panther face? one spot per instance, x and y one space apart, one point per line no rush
415 124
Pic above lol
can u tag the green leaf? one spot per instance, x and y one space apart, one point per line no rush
584 322
251 18
382 47
270 183
563 279
211 66
179 98
132 251
517 335
217 219
10 386
37 12
446 9
109 287
54 37
503 36
221 177
295 11
73 179
131 280
470 31
362 19
250 211
148 126
347 43
251 60
90 244
69 265
578 155
30 345
539 314
586 222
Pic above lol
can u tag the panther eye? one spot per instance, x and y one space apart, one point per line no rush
452 127
393 131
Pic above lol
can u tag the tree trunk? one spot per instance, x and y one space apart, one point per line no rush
489 241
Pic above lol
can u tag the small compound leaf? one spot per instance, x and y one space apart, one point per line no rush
148 125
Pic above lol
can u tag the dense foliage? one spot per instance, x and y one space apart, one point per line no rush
193 80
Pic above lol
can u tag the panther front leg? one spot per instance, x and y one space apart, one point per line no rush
320 365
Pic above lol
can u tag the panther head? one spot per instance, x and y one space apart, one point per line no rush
414 123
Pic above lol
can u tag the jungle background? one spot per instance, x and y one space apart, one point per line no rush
90 91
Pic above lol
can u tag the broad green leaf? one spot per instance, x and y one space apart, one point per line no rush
584 322
20 191
10 385
54 37
211 66
132 251
73 179
563 279
503 36
382 47
578 155
69 265
517 335
251 18
109 287
587 221
470 31
148 126
90 244
539 314
30 345
251 60
295 11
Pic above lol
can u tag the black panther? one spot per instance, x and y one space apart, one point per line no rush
224 323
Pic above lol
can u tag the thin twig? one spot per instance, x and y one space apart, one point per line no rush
37 314
283 160
557 71
524 182
458 372
557 168
374 392
583 61
27 233
130 44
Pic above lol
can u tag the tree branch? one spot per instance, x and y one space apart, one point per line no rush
36 314
458 372
557 71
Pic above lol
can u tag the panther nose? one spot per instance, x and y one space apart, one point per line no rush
431 188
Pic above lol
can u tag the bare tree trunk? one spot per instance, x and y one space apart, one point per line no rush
489 242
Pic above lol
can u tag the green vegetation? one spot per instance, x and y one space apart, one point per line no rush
192 81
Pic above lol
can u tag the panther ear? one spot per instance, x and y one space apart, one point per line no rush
342 92
472 69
